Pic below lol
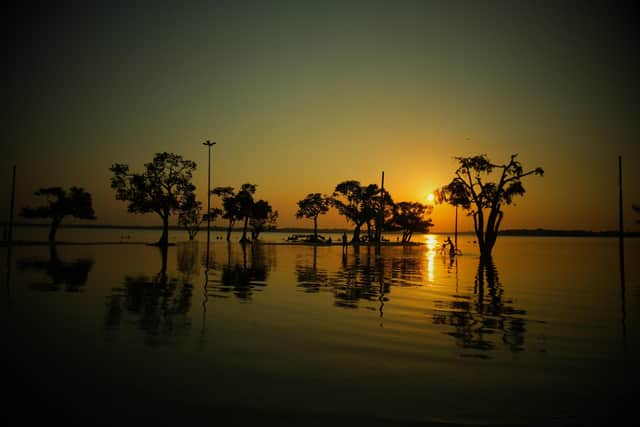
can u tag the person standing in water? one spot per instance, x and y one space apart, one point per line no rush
452 248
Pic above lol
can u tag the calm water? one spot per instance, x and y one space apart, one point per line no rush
544 336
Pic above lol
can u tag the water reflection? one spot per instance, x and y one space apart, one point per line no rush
485 320
363 276
244 273
159 305
71 276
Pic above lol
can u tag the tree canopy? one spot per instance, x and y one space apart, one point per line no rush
410 218
484 199
263 218
164 187
60 203
357 203
241 206
312 206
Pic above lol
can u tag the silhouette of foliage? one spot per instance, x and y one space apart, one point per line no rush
230 207
484 199
358 204
60 203
410 218
164 187
312 206
241 206
245 204
191 217
263 218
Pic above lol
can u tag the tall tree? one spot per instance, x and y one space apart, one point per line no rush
410 218
60 203
312 206
230 208
357 203
245 204
263 218
237 206
164 187
485 199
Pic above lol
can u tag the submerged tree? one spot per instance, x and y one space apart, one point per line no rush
312 206
357 203
485 199
230 207
164 187
410 218
191 216
263 218
245 206
60 203
241 206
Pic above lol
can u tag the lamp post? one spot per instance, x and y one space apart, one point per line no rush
209 144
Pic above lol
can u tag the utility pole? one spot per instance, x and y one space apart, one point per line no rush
13 199
209 144
620 209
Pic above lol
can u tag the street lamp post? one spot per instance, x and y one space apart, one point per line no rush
209 144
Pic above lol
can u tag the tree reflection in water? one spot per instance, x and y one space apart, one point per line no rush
242 274
364 276
71 276
158 304
485 320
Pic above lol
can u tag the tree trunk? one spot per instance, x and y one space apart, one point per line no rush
54 228
164 239
315 228
244 230
229 230
356 233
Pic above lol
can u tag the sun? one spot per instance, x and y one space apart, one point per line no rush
431 197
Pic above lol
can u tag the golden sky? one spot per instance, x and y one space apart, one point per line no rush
302 95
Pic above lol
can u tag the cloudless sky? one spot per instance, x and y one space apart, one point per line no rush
302 95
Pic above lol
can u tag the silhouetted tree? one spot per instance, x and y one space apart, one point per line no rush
230 206
263 218
245 204
191 216
312 206
164 187
484 199
60 203
357 203
410 218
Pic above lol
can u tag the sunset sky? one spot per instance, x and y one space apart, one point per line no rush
302 95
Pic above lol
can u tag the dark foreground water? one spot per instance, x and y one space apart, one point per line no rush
548 334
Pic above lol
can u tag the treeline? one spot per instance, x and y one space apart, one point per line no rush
367 206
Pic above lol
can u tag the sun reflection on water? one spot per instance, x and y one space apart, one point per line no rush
432 243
